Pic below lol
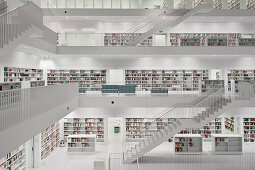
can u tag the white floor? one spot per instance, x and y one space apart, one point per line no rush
60 159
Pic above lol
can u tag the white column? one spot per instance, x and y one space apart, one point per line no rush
140 3
188 4
224 4
209 2
243 4
170 4
116 77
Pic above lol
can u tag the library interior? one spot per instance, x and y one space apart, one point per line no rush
127 84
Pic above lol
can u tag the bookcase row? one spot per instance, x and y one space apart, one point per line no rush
14 74
81 143
14 160
49 140
84 126
89 80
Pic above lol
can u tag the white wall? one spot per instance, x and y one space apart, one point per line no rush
117 76
12 4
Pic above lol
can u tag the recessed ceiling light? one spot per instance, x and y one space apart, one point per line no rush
67 17
86 17
25 47
163 17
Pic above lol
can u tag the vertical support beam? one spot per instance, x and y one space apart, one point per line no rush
170 4
243 4
224 4
140 4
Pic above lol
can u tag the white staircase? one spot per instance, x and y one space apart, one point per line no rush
202 8
215 103
22 24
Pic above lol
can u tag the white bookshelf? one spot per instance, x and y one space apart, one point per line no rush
14 160
39 83
81 143
234 4
209 85
14 74
89 80
49 140
237 75
10 86
227 144
173 80
188 144
213 127
249 129
85 126
250 4
135 127
229 124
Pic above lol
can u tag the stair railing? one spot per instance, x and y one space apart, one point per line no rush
214 99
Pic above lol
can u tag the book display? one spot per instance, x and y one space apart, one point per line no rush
250 4
89 80
81 143
185 144
230 123
217 4
234 4
85 126
249 129
15 160
135 127
240 75
37 83
206 39
213 127
211 85
122 39
9 86
13 74
247 42
49 140
227 144
173 80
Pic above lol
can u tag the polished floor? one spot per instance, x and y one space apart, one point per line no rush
161 158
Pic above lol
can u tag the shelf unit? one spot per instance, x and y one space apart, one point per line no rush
135 127
247 42
14 160
10 86
217 4
209 85
81 143
122 39
185 144
234 4
250 4
49 139
237 75
213 127
89 80
249 129
37 83
227 144
230 123
95 126
173 80
13 74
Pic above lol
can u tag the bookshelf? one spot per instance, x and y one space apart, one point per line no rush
250 4
209 85
14 160
247 42
13 74
89 80
49 140
213 127
10 86
234 4
249 129
227 144
84 126
81 143
135 127
189 143
229 123
122 39
37 83
237 75
173 80
217 4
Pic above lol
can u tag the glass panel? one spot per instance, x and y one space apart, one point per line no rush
98 3
61 3
89 3
116 4
125 4
52 3
79 3
134 4
107 4
44 3
70 3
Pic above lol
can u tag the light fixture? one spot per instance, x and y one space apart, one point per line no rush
163 17
67 17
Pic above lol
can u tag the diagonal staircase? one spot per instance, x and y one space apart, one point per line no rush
215 103
201 8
